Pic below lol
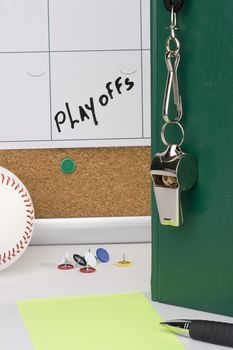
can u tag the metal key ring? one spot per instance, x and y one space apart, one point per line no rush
163 133
174 52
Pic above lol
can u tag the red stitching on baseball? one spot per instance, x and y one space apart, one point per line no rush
4 258
30 223
8 180
29 211
27 234
28 229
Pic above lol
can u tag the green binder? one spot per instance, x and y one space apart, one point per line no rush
192 265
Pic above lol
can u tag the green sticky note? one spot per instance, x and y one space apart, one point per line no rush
104 322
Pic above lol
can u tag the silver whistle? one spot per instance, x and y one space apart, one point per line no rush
172 171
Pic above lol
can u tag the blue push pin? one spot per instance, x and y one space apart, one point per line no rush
102 255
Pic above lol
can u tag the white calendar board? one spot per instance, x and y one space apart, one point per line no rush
74 73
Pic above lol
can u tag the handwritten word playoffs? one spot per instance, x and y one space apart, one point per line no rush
87 111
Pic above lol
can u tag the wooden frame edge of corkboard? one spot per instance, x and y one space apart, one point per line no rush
107 181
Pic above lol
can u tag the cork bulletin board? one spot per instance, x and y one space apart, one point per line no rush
106 182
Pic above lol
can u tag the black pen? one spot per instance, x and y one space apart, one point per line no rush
220 333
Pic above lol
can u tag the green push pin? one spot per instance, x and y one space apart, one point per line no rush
67 165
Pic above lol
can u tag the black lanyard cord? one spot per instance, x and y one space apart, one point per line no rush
177 5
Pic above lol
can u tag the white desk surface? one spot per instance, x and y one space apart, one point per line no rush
35 276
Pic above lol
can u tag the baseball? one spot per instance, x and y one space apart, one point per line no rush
16 218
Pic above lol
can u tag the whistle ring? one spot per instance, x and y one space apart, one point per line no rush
163 132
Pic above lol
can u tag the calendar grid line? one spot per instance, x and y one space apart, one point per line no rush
78 140
50 90
142 102
67 51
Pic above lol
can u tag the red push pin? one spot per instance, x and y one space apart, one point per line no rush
91 263
65 264
87 269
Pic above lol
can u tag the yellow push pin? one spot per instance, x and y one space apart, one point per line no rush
124 262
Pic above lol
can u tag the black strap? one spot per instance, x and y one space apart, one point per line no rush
178 4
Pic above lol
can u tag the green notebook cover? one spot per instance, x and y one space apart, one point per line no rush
192 265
